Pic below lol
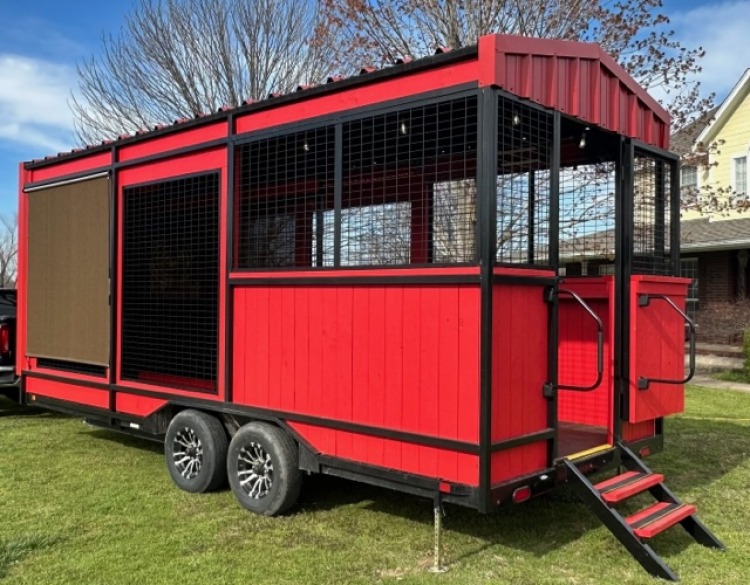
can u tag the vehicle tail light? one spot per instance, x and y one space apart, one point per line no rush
521 494
4 340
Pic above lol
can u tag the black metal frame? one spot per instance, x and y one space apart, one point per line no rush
486 496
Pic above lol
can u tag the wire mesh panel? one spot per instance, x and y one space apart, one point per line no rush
523 183
285 187
170 282
409 186
587 218
651 217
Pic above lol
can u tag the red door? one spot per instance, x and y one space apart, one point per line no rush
657 347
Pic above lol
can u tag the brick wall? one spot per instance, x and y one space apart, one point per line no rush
716 277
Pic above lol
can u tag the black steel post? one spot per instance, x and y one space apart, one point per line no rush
486 220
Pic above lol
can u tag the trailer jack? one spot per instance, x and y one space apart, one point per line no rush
438 513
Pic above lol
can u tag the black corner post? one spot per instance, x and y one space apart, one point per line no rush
674 216
553 312
113 299
230 259
338 186
487 240
624 188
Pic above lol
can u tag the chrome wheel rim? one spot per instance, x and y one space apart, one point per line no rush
255 471
187 453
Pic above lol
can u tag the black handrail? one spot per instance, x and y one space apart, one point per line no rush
643 382
599 345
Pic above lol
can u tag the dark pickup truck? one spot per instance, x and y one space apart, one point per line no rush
8 378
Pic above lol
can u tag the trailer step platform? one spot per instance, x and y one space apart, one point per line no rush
632 531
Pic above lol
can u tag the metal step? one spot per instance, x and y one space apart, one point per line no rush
626 485
634 530
659 517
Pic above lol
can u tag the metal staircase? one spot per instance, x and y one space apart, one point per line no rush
633 531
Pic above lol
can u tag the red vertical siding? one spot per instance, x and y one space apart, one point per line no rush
657 348
519 371
577 352
396 357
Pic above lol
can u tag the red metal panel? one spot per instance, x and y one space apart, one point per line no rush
172 141
56 170
657 347
141 406
67 392
389 89
465 472
532 68
636 431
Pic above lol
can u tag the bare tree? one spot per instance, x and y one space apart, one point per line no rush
635 32
8 250
176 58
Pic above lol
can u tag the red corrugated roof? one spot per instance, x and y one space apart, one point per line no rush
578 79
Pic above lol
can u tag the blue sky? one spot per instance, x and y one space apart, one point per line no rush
42 40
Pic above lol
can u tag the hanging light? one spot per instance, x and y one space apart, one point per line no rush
404 128
306 147
516 118
582 143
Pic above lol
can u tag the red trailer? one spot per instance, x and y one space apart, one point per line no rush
453 277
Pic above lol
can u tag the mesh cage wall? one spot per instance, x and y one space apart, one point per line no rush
285 196
409 186
587 218
170 282
523 183
407 192
652 228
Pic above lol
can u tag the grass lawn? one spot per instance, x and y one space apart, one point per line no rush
86 506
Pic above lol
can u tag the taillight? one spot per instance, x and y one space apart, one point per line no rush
4 339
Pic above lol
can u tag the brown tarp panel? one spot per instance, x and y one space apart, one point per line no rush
68 278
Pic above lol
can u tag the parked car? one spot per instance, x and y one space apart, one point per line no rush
9 382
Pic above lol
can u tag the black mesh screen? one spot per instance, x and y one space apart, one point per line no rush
409 186
170 280
651 219
523 183
285 189
587 218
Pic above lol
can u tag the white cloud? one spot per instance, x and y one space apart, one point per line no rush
34 103
722 30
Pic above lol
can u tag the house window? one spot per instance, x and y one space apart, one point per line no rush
689 178
740 175
689 269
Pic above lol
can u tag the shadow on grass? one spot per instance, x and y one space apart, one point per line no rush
124 439
10 407
698 453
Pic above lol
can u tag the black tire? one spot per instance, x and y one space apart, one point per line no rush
195 449
263 469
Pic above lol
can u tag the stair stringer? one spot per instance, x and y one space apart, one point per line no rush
616 524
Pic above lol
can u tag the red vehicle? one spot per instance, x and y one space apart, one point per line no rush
376 279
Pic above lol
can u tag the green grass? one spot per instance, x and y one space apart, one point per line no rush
732 376
81 505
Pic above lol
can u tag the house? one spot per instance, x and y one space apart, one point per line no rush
715 225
